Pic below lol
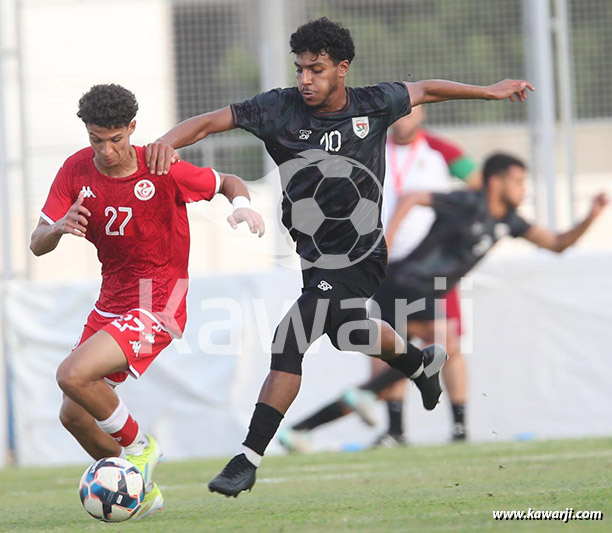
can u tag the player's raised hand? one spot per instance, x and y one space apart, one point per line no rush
75 220
510 89
251 217
159 156
599 203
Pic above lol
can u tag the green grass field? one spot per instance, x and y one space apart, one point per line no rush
441 488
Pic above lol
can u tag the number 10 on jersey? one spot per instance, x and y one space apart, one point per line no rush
332 141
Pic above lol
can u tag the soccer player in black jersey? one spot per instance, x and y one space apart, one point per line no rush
468 224
325 115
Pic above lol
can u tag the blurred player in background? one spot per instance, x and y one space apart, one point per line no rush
347 122
417 160
138 224
467 225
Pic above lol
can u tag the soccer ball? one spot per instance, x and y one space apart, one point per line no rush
353 218
112 489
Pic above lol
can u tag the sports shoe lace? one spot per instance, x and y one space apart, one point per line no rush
237 466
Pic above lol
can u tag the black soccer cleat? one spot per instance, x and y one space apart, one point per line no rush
459 433
238 475
434 357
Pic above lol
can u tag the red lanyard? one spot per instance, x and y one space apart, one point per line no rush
399 174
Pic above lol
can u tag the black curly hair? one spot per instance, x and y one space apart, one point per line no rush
108 106
323 35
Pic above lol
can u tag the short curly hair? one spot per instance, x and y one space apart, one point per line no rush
108 106
324 35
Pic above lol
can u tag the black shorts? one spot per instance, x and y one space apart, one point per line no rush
422 306
360 280
344 294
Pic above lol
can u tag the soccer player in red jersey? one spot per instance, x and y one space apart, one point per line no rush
138 224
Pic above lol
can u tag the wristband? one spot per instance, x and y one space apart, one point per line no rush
240 201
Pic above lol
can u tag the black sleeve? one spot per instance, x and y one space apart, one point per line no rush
454 203
518 225
397 99
259 113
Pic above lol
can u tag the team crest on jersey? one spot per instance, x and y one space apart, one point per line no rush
361 126
144 190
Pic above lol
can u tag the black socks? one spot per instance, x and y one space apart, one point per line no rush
396 422
327 414
263 427
383 380
408 362
458 413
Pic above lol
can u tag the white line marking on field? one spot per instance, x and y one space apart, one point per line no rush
273 480
557 457
328 477
323 468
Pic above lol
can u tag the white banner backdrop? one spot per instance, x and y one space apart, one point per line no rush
4 429
541 365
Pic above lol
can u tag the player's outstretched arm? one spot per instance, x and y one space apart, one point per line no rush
430 91
404 204
558 242
161 154
46 237
236 191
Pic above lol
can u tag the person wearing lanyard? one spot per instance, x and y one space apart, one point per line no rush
418 160
468 223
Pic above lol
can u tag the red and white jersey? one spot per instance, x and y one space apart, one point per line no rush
410 168
139 226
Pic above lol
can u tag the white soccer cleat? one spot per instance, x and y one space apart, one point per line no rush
363 402
298 441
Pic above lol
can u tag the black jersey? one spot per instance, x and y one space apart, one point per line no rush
289 128
463 232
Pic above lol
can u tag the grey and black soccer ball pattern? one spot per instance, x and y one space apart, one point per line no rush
334 202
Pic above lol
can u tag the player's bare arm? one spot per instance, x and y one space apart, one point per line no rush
236 191
46 237
404 204
429 91
558 242
161 153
